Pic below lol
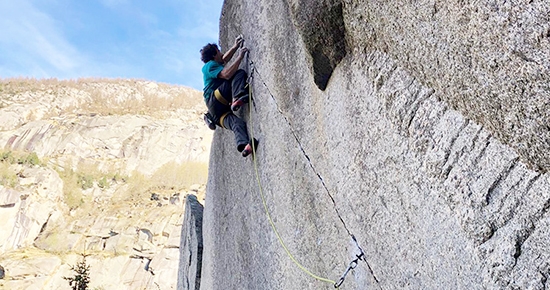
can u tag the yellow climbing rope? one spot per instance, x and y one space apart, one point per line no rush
304 269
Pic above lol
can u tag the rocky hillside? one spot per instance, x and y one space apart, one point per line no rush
99 169
410 137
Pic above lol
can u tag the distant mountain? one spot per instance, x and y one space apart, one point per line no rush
100 168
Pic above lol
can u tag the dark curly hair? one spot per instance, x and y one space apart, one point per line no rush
208 52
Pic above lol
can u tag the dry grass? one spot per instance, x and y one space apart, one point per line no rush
102 96
172 177
136 191
133 190
179 176
8 175
72 192
85 177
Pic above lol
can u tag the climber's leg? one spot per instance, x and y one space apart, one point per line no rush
238 126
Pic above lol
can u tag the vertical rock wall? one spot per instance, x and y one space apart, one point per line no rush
399 151
191 246
487 59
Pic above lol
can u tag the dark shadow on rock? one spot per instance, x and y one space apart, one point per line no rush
321 25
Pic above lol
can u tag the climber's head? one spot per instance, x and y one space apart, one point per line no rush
209 52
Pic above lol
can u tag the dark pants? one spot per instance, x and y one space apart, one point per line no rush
234 87
222 114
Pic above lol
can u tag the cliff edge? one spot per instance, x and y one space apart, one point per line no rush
413 136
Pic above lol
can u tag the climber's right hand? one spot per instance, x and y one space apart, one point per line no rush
243 51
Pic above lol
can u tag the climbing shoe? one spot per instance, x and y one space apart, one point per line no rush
236 105
248 148
209 121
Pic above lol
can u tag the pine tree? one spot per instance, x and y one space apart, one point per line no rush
82 278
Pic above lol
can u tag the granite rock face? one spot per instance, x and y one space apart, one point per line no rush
112 163
191 246
429 146
486 59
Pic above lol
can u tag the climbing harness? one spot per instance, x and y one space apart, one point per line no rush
220 98
222 118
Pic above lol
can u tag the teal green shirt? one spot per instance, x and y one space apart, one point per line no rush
210 72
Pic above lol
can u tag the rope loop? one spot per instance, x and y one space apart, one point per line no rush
260 187
354 263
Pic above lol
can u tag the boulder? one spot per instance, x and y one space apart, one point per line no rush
191 246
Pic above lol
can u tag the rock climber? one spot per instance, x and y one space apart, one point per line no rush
225 90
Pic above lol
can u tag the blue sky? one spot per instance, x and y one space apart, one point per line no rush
157 40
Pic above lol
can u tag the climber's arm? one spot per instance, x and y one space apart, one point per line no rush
228 71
